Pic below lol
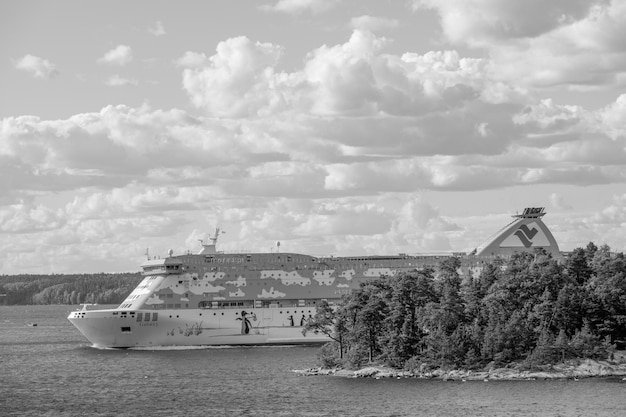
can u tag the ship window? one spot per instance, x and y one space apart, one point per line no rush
155 316
146 315
126 329
139 316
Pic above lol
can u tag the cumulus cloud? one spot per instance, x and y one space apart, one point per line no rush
578 43
355 78
237 79
36 66
191 60
330 157
318 131
27 218
118 81
479 22
301 6
118 56
558 202
373 23
158 29
612 119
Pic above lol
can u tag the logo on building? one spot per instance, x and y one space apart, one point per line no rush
526 235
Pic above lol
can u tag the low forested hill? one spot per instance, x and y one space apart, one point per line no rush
67 288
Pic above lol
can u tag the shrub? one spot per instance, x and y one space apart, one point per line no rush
328 356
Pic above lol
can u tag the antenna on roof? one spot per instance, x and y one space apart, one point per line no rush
217 233
210 248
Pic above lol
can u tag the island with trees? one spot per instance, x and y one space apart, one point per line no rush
526 313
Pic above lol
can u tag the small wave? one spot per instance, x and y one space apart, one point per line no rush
105 348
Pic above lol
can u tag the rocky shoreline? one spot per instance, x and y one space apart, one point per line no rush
583 368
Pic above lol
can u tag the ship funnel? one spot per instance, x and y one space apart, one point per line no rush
525 234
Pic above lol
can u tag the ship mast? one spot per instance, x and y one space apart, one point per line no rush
209 248
214 238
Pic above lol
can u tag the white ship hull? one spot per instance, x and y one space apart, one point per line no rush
193 327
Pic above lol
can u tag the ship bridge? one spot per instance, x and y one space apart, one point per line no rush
162 266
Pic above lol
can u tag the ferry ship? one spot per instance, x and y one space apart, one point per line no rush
217 298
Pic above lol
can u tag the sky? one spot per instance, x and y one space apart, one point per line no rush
354 127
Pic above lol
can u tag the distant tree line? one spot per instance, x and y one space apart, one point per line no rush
529 309
67 288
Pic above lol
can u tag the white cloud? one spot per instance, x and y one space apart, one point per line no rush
301 6
578 43
26 218
158 29
36 66
336 156
192 59
480 22
558 202
236 81
318 131
119 56
373 23
612 119
117 81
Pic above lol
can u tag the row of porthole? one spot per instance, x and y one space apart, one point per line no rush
237 313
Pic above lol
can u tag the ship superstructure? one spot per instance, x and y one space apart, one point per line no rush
526 232
213 298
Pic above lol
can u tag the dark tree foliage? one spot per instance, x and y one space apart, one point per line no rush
326 321
529 309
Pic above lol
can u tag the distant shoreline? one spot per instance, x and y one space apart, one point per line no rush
574 369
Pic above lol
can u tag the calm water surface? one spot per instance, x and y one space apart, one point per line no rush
51 370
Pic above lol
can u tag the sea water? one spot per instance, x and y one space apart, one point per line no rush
51 370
